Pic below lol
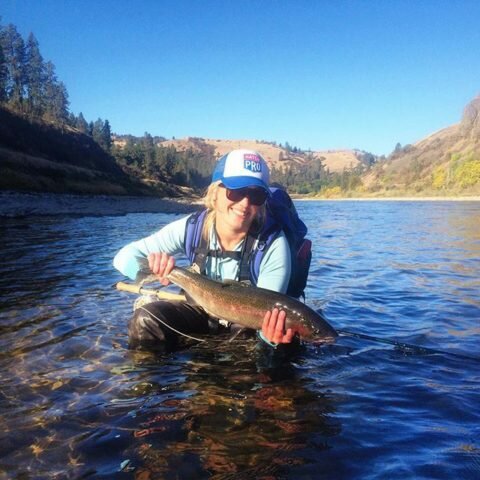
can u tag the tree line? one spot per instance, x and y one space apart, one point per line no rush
312 177
145 157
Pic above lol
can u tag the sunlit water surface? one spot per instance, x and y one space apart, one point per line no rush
76 403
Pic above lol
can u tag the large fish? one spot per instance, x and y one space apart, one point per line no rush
246 306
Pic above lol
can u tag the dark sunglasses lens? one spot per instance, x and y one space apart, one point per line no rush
256 196
236 195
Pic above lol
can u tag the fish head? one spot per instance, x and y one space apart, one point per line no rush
309 324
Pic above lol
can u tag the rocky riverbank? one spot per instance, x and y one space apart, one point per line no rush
15 204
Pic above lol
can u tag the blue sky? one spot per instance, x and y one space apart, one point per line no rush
318 74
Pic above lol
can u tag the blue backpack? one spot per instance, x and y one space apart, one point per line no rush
281 215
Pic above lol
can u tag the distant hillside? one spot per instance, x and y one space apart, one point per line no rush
189 162
43 157
277 156
37 156
446 162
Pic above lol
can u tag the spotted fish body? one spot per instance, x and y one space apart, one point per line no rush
246 306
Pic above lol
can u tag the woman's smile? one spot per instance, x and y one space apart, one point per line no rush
237 216
241 212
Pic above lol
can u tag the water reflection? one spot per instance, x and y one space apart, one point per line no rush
231 417
75 403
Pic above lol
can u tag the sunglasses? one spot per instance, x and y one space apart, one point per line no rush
256 196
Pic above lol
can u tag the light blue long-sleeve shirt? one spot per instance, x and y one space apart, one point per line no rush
275 268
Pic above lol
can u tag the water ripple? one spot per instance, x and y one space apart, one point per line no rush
76 403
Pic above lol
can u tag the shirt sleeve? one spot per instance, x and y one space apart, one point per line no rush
169 239
275 268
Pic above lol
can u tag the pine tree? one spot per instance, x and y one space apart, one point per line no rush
149 155
97 131
56 97
60 104
3 75
81 123
14 53
71 119
35 77
106 135
102 134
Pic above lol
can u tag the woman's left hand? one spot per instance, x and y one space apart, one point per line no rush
273 327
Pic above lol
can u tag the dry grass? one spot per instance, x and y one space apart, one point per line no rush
334 160
20 171
338 160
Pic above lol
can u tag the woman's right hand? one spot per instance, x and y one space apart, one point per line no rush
161 264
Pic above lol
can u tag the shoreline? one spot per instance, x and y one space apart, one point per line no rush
23 204
391 199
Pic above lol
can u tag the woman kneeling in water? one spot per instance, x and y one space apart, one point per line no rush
235 203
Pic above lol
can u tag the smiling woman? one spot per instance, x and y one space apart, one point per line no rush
220 245
233 215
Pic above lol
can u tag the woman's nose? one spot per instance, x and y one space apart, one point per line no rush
245 201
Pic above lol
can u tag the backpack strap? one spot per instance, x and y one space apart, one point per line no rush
254 249
246 256
263 245
300 258
196 246
193 238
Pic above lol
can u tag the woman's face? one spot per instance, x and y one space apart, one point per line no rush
236 215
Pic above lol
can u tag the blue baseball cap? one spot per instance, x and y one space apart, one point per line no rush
242 168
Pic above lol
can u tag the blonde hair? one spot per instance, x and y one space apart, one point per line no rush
209 201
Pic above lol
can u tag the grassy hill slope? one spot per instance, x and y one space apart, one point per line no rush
275 155
39 157
446 162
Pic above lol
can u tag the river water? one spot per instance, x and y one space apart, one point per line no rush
76 403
